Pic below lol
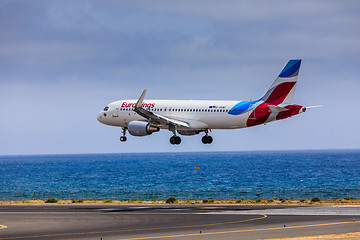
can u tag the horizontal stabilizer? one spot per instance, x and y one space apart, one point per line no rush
277 109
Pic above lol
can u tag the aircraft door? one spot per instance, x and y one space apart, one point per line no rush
115 112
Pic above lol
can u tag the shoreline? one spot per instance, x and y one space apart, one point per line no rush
303 202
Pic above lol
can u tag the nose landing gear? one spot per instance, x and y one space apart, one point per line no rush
207 139
123 137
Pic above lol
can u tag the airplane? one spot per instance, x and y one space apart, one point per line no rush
190 117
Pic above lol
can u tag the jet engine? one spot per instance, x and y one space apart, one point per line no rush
188 132
139 128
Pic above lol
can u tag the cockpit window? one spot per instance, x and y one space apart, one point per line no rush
106 108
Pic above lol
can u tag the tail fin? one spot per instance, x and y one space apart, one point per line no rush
282 90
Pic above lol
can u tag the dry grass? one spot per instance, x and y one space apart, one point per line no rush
200 201
352 236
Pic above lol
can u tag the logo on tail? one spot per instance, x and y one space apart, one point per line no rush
282 90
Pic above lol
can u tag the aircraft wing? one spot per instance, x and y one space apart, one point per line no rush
160 120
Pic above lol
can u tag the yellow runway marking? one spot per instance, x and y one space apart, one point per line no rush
237 231
3 226
141 229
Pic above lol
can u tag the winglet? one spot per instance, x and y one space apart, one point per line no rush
141 100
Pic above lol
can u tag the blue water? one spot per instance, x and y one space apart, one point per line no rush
169 171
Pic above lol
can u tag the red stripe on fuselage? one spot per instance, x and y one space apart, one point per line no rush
280 92
260 114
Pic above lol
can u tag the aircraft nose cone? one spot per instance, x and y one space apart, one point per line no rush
99 117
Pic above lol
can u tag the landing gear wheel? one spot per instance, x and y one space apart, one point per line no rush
175 140
207 139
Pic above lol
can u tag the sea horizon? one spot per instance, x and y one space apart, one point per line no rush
225 151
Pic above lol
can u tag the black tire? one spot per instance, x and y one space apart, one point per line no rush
178 140
173 140
123 139
207 139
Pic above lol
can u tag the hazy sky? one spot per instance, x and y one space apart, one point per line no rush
61 62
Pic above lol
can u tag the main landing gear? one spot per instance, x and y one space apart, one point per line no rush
175 140
207 139
123 138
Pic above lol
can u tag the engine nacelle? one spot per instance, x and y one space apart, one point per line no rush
188 132
139 128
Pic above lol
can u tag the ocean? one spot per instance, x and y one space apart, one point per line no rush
182 171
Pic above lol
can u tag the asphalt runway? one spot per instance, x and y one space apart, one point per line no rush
109 222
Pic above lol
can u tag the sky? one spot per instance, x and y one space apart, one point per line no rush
61 62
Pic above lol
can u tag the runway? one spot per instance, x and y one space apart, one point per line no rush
120 222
